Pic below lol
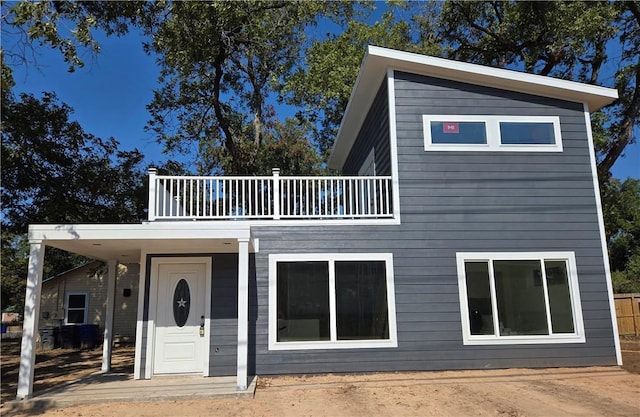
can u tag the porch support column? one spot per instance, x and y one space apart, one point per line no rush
30 323
243 312
112 268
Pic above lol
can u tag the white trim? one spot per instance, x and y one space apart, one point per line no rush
393 145
243 315
518 81
32 300
330 258
574 291
112 267
328 222
492 132
85 308
603 240
153 305
137 364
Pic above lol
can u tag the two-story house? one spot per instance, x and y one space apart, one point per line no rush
465 233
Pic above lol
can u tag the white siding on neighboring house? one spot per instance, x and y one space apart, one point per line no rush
91 280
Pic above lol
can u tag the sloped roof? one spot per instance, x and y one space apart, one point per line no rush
377 60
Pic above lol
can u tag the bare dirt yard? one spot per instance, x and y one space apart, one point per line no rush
594 391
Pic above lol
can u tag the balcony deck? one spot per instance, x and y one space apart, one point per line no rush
269 197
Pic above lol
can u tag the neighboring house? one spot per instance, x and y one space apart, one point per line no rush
79 296
466 233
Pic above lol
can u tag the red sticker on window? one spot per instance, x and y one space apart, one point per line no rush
450 127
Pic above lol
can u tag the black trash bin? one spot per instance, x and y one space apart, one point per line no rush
69 337
48 337
88 336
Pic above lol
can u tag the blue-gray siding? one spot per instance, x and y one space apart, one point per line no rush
373 135
452 202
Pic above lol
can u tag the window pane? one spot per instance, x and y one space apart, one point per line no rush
75 316
303 301
76 301
458 132
479 297
519 133
361 300
559 297
520 296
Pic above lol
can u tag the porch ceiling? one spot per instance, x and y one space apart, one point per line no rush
125 242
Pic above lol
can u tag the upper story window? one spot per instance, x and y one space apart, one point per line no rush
492 133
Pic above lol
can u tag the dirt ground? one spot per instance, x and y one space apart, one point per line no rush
595 391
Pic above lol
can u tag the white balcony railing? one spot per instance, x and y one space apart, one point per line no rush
268 197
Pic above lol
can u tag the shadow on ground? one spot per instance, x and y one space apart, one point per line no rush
58 367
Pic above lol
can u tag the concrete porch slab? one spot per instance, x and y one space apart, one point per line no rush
110 387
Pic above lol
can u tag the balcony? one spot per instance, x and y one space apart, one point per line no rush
272 197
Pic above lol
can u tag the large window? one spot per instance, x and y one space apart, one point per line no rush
519 298
76 308
319 301
492 133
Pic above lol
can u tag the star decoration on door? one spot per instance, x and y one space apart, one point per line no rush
182 303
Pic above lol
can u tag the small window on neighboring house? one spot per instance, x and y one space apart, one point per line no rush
331 301
519 298
76 308
492 133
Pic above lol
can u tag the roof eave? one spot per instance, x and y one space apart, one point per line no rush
378 60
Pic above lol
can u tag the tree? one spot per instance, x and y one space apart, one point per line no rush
581 41
320 88
55 172
570 40
621 207
222 64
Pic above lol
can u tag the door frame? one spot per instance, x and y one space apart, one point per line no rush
153 305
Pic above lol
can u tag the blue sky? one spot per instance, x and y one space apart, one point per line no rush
110 94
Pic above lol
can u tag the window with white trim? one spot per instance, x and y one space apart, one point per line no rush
492 133
513 298
331 301
77 304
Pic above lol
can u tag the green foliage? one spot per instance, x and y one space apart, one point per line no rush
53 172
321 87
68 26
221 62
570 40
621 207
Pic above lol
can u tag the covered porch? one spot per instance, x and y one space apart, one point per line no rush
135 243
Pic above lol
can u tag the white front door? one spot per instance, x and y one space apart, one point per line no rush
180 312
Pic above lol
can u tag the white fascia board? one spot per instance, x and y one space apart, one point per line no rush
352 120
144 231
377 60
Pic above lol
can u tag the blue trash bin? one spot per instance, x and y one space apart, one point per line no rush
88 336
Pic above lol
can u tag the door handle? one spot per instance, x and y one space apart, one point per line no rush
202 326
